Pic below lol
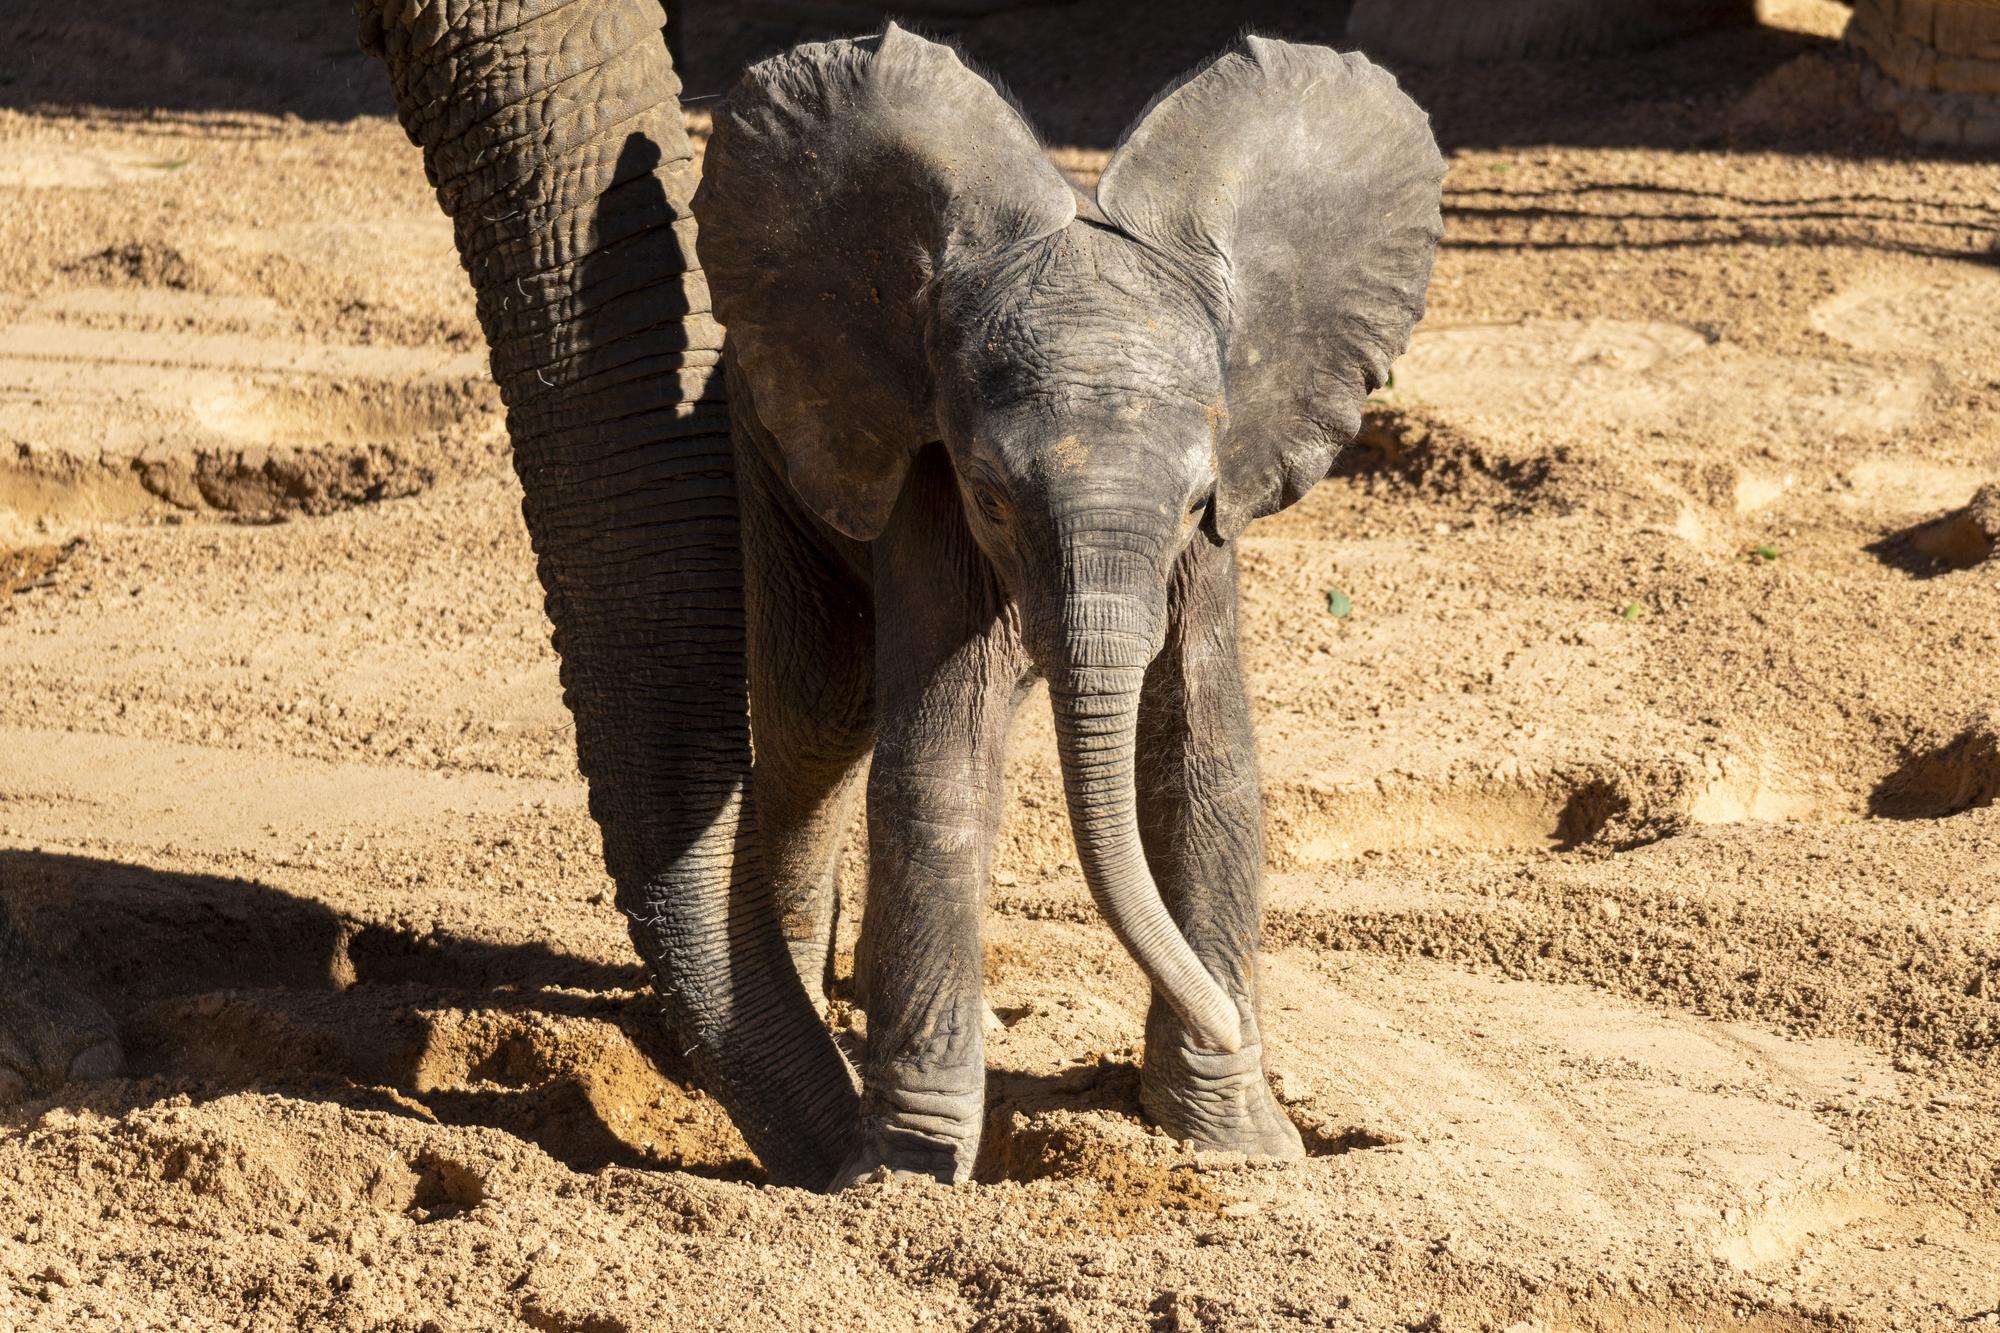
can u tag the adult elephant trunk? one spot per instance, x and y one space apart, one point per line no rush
1102 643
552 131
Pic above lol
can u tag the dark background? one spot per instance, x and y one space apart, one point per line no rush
1082 68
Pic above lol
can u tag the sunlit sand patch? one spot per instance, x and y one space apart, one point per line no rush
27 165
1948 317
1598 373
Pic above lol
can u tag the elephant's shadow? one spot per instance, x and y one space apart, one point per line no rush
221 985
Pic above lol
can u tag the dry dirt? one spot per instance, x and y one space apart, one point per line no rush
1635 908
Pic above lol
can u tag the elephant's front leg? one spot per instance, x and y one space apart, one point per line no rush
812 663
948 663
1202 821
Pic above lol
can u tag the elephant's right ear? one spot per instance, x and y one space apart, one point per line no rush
840 178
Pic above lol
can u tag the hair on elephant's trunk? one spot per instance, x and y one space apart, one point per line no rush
569 199
1097 719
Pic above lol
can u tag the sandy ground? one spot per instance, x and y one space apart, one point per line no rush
1635 907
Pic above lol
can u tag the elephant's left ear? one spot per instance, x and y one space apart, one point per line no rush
1299 187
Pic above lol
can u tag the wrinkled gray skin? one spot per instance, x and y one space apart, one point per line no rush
552 131
50 1032
835 570
1451 32
989 430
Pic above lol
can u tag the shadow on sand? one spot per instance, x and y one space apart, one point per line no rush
1082 68
219 985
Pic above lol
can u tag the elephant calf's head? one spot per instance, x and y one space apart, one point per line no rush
899 264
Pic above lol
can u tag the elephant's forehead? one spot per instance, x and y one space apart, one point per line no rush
1089 311
1093 274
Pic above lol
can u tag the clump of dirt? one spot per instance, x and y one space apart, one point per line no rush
1965 537
1961 775
1329 1139
141 264
1084 1126
582 1088
446 1188
1138 1174
1401 447
1619 808
31 567
1961 539
253 483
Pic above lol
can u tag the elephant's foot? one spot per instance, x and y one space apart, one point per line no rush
888 1158
912 1135
50 1032
867 1168
1213 1099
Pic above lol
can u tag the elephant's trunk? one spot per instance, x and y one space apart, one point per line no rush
1103 642
552 131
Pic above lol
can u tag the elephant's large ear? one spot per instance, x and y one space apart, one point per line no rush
840 177
1300 187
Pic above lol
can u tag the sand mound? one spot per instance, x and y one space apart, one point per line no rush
1963 538
1961 775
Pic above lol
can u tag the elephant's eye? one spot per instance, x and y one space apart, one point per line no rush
992 504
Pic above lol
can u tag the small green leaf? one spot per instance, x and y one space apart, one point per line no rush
169 163
1338 604
1633 611
1764 552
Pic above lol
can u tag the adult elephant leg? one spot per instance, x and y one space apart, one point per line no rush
1201 820
948 669
812 674
1453 32
1936 67
552 131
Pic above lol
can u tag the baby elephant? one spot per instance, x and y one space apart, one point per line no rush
989 429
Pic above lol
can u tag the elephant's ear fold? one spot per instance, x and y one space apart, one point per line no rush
840 177
1300 188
